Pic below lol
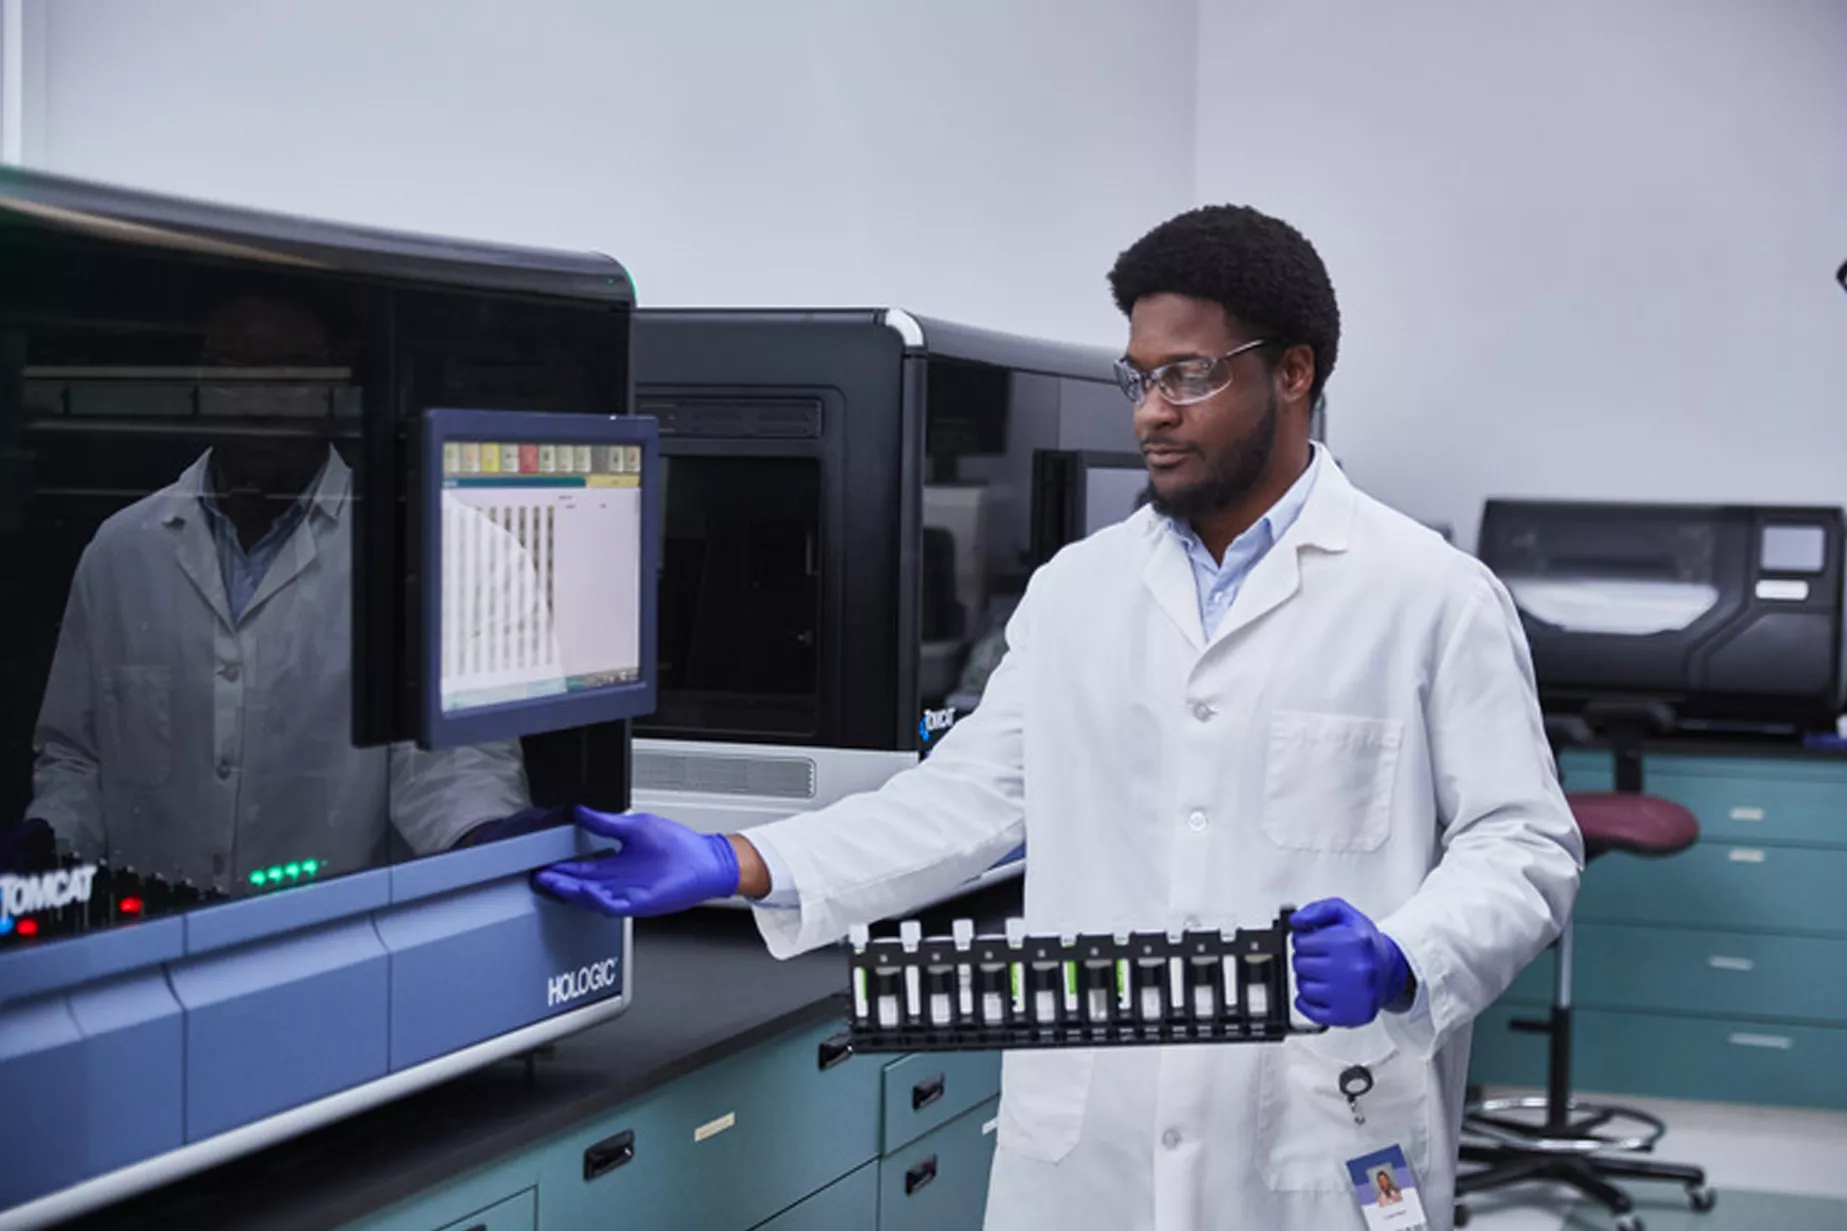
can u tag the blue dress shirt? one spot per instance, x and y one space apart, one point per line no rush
1218 581
244 570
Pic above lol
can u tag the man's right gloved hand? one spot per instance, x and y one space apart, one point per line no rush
662 867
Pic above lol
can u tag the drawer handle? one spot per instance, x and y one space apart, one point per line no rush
1746 854
927 1091
837 1050
1771 1042
608 1154
1747 814
920 1175
1731 963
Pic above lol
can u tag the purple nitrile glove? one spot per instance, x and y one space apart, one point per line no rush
1346 970
662 867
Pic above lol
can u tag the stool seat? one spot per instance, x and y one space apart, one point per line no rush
1644 825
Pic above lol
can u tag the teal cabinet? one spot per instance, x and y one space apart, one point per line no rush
940 1181
784 1137
1713 974
851 1204
930 1089
725 1147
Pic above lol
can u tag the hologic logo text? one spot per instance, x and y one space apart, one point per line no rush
576 984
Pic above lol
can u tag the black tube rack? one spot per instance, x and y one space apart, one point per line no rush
965 992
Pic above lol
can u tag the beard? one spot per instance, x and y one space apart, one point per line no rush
1231 476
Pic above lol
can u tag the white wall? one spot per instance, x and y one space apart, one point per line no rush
1583 249
975 160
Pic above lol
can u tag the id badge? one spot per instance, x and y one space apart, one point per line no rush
1386 1191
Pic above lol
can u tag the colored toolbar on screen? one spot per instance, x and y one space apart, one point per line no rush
499 463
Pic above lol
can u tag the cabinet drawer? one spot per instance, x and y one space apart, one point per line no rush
1655 1055
851 1204
1722 886
519 1213
1711 973
940 1182
1672 970
926 1090
756 1133
1799 801
1758 807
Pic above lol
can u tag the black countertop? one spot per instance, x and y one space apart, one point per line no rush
706 989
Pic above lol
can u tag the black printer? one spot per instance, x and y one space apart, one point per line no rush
1727 616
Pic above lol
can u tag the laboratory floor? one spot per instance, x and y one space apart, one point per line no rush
1774 1170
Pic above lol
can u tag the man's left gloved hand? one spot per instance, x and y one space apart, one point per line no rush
1347 971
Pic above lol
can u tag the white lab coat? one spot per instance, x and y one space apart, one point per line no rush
1363 725
184 743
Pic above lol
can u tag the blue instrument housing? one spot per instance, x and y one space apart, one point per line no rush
272 911
242 1023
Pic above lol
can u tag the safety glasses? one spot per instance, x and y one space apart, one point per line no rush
1183 382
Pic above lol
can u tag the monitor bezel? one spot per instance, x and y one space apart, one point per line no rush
439 729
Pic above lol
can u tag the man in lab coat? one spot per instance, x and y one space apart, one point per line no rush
197 722
1263 688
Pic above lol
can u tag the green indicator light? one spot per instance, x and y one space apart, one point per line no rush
294 871
275 875
256 878
310 866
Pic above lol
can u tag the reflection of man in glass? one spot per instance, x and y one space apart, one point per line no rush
197 722
1387 1186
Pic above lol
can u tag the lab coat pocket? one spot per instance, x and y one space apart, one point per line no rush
1306 1128
1042 1101
135 727
1328 781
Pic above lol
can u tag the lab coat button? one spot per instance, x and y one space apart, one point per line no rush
231 672
1171 1139
1196 822
224 769
1203 712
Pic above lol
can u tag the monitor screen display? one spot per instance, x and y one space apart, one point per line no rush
543 543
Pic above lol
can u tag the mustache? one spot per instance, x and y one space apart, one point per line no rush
1153 443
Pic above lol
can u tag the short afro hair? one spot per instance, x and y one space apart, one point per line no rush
1263 272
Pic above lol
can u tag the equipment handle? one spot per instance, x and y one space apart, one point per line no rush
920 1175
927 1091
608 1154
836 1050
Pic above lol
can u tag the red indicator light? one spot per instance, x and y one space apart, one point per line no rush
129 906
28 927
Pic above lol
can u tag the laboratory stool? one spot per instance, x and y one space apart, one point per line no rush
1575 1143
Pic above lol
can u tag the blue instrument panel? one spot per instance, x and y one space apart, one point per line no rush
152 1051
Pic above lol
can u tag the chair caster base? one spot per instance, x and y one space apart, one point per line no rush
1629 1222
1701 1198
